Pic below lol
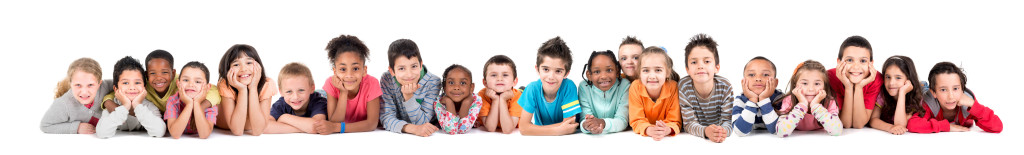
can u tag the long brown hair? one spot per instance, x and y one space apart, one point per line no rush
807 66
913 98
86 65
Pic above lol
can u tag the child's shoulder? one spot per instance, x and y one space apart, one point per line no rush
720 80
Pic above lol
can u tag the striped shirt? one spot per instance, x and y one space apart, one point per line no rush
699 112
397 112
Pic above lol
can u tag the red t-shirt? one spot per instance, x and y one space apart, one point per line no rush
871 90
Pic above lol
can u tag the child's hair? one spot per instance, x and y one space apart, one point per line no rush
127 64
654 50
911 105
500 60
160 54
631 40
292 70
947 68
405 48
555 48
590 61
232 54
86 65
702 40
765 59
197 65
346 43
806 66
444 76
856 41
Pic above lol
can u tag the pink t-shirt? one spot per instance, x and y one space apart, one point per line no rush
808 123
369 89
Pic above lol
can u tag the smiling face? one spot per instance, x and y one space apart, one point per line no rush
192 80
296 90
701 65
131 82
757 74
552 72
160 74
948 90
351 69
859 59
406 70
499 77
653 73
629 56
811 82
602 72
84 86
894 79
244 65
458 84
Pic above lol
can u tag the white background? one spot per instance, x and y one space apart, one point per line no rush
40 38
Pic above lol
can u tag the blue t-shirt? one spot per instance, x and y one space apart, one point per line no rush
317 104
566 103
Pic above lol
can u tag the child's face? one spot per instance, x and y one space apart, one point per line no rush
193 81
350 68
84 86
160 74
407 70
701 65
653 72
131 82
811 82
758 74
552 72
295 90
500 78
859 59
894 80
629 56
948 90
244 66
458 85
602 72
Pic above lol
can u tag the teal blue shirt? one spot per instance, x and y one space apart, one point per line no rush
565 105
612 106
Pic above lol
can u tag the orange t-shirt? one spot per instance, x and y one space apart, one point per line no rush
644 112
513 107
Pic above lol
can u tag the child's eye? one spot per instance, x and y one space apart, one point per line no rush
504 75
462 83
185 80
355 69
750 75
863 61
766 75
707 62
693 62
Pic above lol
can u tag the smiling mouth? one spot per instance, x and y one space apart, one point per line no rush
856 73
245 75
160 84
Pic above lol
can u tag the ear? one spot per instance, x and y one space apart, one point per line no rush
472 87
391 70
717 68
514 82
537 68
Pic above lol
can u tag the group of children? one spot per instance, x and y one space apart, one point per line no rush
639 89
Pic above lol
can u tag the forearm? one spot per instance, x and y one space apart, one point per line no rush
176 126
860 113
241 111
846 114
491 121
542 130
900 117
257 118
338 107
505 119
301 123
204 126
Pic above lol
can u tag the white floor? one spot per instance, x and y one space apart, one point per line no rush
854 141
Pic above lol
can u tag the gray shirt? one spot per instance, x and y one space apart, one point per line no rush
66 113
